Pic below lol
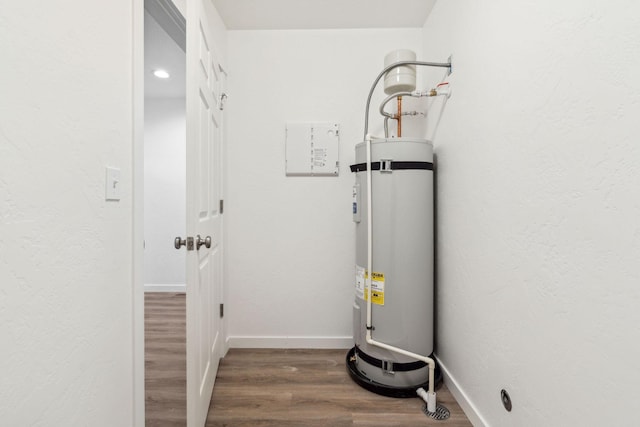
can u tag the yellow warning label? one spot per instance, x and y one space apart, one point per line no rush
377 288
376 297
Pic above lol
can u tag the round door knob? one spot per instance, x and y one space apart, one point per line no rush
178 242
200 241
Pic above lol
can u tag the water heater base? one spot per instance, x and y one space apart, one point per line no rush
384 389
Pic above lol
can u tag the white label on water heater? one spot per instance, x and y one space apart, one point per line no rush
356 203
359 282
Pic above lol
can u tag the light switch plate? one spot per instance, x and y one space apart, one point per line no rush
112 184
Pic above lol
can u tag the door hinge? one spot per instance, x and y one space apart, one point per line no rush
221 206
221 310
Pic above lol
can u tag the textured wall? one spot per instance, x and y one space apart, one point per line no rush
291 240
538 208
164 185
65 253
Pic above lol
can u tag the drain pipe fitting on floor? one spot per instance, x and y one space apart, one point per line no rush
430 396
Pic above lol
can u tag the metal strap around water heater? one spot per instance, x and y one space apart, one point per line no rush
389 366
376 166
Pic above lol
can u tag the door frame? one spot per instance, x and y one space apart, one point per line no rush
137 256
137 245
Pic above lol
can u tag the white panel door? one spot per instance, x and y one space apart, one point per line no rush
204 264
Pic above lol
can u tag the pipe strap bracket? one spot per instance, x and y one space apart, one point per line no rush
387 365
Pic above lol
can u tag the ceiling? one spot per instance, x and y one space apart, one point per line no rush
322 14
161 51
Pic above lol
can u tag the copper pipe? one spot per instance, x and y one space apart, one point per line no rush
399 118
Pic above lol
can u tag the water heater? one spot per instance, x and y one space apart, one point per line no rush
402 276
393 310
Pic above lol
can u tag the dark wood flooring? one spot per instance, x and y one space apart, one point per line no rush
268 387
286 388
165 359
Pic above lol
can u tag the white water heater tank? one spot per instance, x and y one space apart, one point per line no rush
402 277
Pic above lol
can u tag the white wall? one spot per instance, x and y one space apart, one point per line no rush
290 240
164 196
65 253
538 236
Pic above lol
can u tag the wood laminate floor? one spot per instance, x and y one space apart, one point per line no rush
267 387
165 359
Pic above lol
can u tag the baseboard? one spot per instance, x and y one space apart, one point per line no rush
177 287
289 342
463 400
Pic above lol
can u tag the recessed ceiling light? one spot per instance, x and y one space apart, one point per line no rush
161 74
